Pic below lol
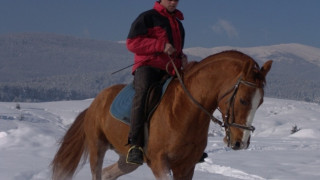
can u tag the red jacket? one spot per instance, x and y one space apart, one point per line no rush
148 35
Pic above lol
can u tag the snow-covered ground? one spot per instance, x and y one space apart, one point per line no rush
29 135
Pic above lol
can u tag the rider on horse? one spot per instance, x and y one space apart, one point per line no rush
154 36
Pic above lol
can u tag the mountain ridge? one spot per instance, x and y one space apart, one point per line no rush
309 53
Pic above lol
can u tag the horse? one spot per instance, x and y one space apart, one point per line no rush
230 81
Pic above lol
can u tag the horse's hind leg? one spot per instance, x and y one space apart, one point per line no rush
118 169
97 152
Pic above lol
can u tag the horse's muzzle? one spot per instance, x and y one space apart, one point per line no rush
238 145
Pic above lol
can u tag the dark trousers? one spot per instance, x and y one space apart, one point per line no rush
144 77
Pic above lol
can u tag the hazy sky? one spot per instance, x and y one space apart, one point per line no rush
208 23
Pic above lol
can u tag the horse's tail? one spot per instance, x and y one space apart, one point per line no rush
72 148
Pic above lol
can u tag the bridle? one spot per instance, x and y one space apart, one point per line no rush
231 101
226 122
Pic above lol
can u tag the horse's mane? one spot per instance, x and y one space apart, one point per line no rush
194 66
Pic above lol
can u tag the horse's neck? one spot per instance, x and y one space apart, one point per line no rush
206 80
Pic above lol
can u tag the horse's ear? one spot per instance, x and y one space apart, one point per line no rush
246 68
266 68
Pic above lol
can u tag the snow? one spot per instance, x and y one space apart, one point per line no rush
29 136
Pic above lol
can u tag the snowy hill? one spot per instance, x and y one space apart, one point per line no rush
51 67
264 53
294 74
29 135
37 55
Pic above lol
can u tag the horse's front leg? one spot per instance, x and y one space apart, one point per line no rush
183 173
160 169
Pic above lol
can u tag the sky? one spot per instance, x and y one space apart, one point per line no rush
208 23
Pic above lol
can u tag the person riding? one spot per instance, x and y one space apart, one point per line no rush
155 35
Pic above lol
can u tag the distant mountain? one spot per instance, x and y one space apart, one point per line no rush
34 55
295 73
47 67
282 52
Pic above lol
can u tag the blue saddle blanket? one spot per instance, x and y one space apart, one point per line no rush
121 105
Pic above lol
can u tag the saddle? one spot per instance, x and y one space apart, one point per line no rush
121 106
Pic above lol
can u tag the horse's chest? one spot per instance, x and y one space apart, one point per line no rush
187 151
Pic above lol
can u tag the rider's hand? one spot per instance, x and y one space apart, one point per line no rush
169 49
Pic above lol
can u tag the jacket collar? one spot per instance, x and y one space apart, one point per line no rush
163 11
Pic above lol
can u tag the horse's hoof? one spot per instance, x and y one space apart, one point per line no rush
204 155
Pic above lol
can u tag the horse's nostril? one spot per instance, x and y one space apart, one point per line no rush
237 145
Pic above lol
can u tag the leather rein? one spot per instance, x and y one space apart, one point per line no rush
226 123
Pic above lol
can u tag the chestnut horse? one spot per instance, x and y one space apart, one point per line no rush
230 81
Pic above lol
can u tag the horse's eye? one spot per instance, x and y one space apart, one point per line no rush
244 102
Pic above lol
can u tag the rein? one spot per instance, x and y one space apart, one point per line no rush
215 120
234 91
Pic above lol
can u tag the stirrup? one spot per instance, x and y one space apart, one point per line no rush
136 159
